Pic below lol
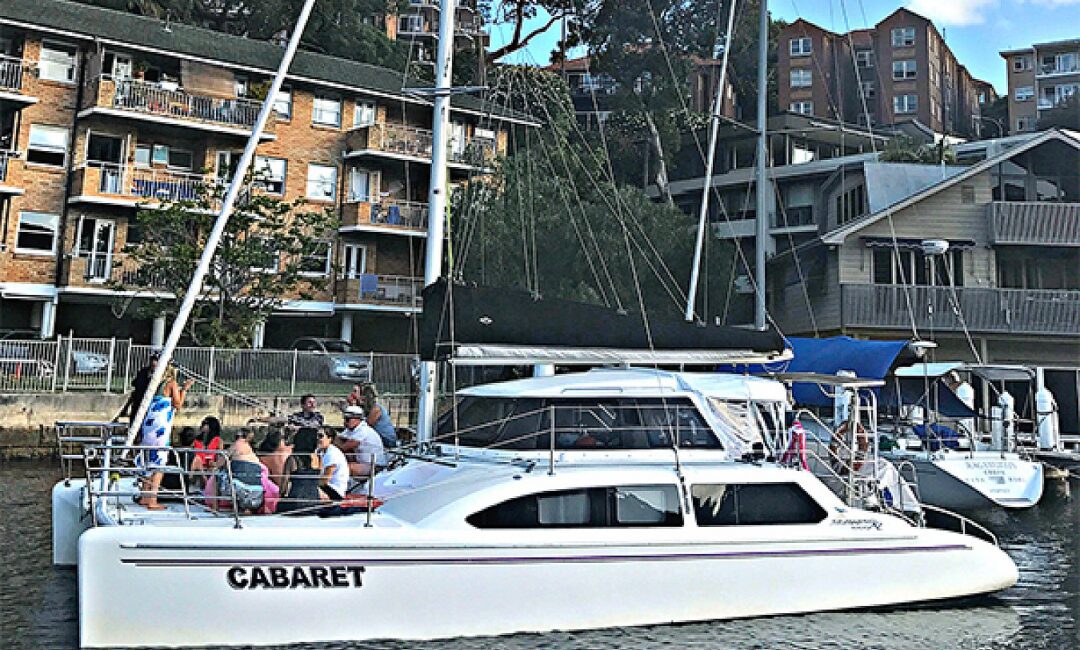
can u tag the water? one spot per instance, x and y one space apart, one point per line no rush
39 607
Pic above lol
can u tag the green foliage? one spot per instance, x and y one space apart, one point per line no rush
1065 115
904 150
263 232
995 118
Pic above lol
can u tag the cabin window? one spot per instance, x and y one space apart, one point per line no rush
753 504
602 507
580 424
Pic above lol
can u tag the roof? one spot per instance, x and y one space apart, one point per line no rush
81 21
840 234
635 382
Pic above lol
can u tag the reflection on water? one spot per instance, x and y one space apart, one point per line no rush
38 604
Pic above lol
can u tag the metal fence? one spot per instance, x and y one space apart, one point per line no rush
110 365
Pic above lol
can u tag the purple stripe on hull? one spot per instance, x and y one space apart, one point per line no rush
738 555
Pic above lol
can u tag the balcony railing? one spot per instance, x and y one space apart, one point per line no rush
374 289
116 271
477 151
114 179
6 156
166 101
1034 223
794 217
416 143
1056 69
411 215
11 73
1006 311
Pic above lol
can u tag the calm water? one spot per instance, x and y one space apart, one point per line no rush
38 604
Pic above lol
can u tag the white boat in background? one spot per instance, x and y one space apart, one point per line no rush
954 466
598 499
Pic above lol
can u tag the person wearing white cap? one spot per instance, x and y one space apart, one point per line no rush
360 443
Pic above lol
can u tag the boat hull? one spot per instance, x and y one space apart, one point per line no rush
70 520
975 481
284 585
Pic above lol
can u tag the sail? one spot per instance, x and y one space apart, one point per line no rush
487 325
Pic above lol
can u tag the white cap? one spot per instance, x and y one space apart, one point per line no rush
353 412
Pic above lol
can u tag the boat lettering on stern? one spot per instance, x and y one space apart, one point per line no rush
295 577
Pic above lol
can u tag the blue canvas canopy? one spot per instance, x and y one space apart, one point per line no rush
867 359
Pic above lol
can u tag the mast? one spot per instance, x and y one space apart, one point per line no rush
710 159
195 287
761 230
433 254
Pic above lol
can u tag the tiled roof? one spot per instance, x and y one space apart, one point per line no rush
86 21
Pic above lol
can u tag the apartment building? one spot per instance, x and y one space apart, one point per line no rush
102 112
900 70
591 91
418 23
1040 77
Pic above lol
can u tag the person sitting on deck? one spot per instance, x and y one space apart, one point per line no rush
300 484
334 479
178 478
274 453
360 443
239 475
209 438
307 417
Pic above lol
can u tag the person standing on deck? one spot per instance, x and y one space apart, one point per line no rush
138 390
156 432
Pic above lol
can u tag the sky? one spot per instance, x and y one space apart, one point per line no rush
976 30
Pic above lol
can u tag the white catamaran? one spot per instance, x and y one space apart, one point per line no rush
608 498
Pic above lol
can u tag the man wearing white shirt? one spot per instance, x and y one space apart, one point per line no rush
360 443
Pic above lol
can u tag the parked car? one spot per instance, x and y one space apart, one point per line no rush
334 361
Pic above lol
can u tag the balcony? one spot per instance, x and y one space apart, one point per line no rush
14 75
800 217
381 292
126 185
10 172
111 272
1057 69
1034 224
409 143
169 104
407 217
995 311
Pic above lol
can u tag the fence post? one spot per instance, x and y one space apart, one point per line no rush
371 367
127 366
56 363
292 383
109 372
210 373
67 364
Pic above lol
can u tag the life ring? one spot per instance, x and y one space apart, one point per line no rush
862 445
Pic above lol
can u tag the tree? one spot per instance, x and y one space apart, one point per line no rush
995 118
553 221
903 149
270 249
1064 115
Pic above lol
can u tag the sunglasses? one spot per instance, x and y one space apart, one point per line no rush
321 436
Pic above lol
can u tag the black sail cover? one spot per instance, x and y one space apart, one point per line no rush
488 317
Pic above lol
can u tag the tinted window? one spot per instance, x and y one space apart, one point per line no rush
580 424
754 504
623 506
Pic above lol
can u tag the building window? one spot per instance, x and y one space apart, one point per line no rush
1021 63
904 69
321 182
364 114
1024 93
48 145
283 104
850 205
142 155
622 506
803 108
270 175
801 77
315 262
868 89
864 58
967 194
1023 124
36 233
360 185
908 266
905 104
754 504
57 61
903 37
801 46
326 111
266 256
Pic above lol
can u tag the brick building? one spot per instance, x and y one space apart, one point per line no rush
418 23
900 70
103 111
1040 77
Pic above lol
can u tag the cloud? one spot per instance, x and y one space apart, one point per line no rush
958 12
